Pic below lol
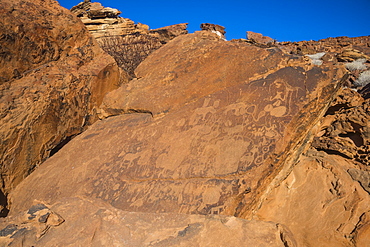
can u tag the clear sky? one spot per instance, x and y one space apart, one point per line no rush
282 20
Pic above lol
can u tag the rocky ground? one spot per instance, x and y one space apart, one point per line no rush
204 142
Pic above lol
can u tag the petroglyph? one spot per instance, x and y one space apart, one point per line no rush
208 156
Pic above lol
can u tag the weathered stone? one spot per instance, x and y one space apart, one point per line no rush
104 21
27 228
347 127
93 223
215 146
171 76
259 38
324 199
319 202
165 34
53 75
217 29
350 55
215 127
332 46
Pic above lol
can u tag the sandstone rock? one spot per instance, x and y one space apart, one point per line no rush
53 75
319 202
217 29
104 21
229 130
28 227
332 46
347 131
215 146
328 191
168 80
365 91
259 38
93 223
165 34
350 55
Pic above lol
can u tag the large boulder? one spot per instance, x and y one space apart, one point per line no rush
190 67
223 119
53 76
230 130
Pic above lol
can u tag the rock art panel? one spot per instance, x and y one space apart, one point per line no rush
212 156
189 67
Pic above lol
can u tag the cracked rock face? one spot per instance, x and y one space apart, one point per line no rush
214 143
53 75
214 127
100 224
347 128
104 21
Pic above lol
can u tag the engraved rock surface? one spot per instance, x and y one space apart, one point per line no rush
171 76
210 133
206 151
328 188
53 75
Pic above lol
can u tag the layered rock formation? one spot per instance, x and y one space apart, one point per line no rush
53 76
214 143
212 136
128 43
259 38
343 49
105 21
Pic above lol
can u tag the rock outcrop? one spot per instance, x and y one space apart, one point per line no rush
221 134
105 21
168 33
128 43
53 76
343 49
217 29
213 143
259 38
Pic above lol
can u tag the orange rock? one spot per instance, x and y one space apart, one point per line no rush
259 38
53 77
231 130
93 223
211 144
165 34
105 21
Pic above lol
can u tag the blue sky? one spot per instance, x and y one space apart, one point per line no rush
282 20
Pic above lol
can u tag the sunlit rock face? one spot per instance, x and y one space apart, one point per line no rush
213 143
53 76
